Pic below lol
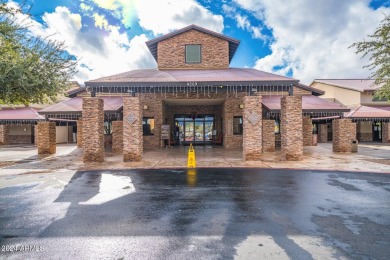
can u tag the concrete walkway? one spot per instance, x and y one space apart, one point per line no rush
372 157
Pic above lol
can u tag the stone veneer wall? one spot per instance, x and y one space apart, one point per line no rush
214 51
117 136
344 131
231 108
322 133
4 134
365 137
46 133
132 131
291 128
80 133
385 132
268 136
20 139
252 120
93 129
307 131
154 109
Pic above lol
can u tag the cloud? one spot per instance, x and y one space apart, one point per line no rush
311 38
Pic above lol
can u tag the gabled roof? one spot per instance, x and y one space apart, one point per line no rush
369 112
237 76
360 85
20 113
309 104
75 105
233 43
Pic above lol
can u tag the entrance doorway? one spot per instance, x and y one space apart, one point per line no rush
197 130
377 131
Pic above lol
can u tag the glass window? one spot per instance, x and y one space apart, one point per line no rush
193 53
277 126
148 125
237 125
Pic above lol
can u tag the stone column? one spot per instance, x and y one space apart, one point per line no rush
46 134
4 134
344 131
117 136
80 133
252 128
268 136
322 133
385 132
132 129
93 129
291 128
307 131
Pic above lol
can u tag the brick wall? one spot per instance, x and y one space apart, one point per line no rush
132 129
214 51
307 131
385 132
291 128
46 132
4 134
117 136
93 129
344 131
80 133
268 135
322 133
252 138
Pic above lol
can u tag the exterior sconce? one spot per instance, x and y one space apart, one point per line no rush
24 129
242 106
146 107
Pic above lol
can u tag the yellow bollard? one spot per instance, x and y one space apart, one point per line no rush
191 162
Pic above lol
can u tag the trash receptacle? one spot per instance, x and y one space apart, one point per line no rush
354 148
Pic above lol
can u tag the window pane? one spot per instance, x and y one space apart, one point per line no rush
148 125
193 53
237 125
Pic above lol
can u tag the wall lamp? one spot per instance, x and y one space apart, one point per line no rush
242 106
146 107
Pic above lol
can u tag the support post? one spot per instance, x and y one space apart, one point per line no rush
4 134
268 136
93 129
132 129
80 133
323 133
46 133
117 136
307 131
252 136
344 132
385 132
291 128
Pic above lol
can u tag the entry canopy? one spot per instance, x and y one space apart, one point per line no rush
19 115
370 112
310 105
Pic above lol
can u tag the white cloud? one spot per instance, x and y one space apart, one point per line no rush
311 38
163 16
85 7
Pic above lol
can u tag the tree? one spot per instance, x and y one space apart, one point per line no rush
32 69
378 47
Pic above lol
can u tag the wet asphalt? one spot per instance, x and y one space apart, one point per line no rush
198 214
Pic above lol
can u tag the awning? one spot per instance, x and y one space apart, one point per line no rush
20 115
369 112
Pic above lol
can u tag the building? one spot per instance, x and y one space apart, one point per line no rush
371 114
193 96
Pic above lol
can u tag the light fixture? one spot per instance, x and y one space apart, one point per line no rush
146 107
242 106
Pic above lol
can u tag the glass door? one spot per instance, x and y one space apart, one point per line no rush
196 131
189 131
199 130
377 131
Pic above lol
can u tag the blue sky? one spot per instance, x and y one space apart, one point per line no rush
303 39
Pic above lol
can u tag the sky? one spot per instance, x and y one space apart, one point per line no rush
303 39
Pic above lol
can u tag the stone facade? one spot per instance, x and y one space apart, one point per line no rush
154 109
214 51
322 133
268 136
70 134
291 128
4 134
344 132
132 129
93 129
252 120
300 91
46 133
365 137
117 136
307 131
79 133
231 108
20 139
385 132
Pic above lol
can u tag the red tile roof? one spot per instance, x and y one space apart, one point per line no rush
354 84
309 104
20 113
369 112
75 105
197 75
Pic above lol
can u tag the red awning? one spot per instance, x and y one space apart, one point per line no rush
369 112
20 113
